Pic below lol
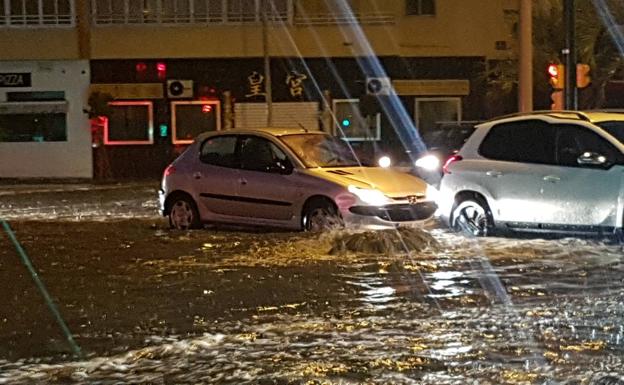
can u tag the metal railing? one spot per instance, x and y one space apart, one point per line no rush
183 19
38 21
333 19
241 18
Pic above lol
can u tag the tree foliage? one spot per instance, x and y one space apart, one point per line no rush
598 22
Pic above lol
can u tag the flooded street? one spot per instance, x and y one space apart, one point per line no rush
250 306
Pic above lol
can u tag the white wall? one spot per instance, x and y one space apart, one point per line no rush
70 159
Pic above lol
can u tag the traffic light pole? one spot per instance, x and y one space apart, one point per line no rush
569 54
525 78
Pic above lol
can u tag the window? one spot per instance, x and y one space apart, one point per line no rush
431 113
33 127
220 151
129 123
241 10
419 7
191 118
350 125
531 141
258 154
573 141
186 11
37 12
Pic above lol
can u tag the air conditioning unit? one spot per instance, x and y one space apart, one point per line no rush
179 89
378 86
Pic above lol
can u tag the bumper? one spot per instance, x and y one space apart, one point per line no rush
390 215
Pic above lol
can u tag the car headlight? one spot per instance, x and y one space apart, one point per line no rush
369 196
384 161
428 162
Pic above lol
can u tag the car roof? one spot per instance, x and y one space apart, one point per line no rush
273 131
592 116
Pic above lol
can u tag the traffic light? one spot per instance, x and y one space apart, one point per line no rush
582 75
557 100
556 76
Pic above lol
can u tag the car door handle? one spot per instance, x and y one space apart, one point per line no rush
242 181
551 178
494 174
197 175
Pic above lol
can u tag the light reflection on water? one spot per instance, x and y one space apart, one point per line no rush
565 325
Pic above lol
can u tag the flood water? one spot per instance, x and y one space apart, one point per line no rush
246 306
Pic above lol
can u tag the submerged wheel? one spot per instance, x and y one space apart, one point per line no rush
183 214
472 216
321 216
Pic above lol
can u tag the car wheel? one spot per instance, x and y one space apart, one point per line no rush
472 216
320 217
183 214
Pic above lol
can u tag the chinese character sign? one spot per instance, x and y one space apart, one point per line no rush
294 80
256 85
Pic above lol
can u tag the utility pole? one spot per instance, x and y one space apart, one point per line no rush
569 54
525 78
268 89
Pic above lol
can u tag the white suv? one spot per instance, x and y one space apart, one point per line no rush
553 171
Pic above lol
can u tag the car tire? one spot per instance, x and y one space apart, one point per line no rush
321 216
472 216
183 213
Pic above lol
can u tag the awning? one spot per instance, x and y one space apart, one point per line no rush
15 108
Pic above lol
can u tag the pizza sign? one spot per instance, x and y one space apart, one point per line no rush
17 79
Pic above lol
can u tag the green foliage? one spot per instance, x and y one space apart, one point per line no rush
594 44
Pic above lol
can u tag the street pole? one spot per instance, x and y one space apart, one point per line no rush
267 65
525 78
569 54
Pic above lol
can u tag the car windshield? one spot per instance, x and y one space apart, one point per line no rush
615 128
316 150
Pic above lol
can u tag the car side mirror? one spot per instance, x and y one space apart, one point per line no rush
589 158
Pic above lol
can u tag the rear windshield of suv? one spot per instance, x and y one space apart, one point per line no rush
615 128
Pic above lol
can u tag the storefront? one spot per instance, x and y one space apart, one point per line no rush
44 127
158 106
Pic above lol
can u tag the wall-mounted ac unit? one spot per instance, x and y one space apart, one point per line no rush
378 86
179 89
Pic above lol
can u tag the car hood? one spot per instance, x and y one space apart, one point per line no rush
392 183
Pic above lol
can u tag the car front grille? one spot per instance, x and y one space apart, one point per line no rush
398 212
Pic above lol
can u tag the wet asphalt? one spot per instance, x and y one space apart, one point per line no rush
258 306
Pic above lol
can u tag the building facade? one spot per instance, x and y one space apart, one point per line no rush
169 69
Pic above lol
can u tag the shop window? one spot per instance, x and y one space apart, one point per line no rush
33 127
191 118
433 113
420 7
129 123
351 125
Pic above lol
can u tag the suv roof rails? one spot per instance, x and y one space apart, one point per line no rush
577 114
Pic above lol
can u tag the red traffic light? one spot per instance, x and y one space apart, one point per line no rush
556 76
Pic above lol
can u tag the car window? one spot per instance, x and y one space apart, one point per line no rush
531 141
259 154
573 140
613 127
220 151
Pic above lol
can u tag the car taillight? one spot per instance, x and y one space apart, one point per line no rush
169 170
448 162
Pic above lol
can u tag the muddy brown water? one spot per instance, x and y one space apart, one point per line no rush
249 306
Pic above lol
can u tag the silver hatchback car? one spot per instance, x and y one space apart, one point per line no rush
549 171
291 178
